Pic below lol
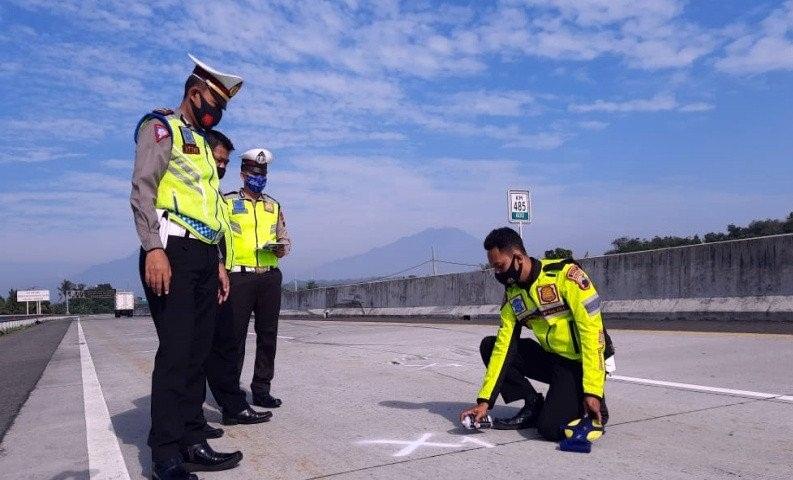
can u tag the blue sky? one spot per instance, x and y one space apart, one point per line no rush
386 117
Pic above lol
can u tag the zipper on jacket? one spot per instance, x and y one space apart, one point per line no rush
574 336
213 169
175 203
256 232
547 333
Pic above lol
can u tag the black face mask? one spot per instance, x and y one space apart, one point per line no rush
207 115
221 172
510 275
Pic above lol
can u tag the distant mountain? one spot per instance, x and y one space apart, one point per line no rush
451 245
121 273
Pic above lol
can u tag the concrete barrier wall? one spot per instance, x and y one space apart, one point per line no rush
756 274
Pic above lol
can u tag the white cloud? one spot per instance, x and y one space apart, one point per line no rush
36 154
660 103
765 49
697 107
646 35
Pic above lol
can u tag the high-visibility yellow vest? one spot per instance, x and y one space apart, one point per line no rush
563 310
190 188
253 224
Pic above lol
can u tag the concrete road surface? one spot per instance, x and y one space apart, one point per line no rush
369 400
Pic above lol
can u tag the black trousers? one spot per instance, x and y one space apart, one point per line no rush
565 397
260 294
185 321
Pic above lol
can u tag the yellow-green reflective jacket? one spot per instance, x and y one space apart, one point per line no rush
562 307
252 225
190 189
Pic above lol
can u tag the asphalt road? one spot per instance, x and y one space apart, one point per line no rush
367 400
23 356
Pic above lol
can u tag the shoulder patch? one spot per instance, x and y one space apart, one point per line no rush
547 294
579 277
518 305
160 132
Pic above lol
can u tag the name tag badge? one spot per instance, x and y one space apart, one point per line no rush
238 207
189 146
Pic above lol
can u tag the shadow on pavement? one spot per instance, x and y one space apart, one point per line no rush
132 428
72 475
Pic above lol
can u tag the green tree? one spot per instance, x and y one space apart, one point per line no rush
627 244
559 252
12 307
64 288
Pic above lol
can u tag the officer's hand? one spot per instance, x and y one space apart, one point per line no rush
158 271
479 412
592 406
223 284
280 251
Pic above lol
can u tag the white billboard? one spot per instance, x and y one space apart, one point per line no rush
33 296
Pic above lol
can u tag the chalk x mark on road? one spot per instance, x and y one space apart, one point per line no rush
105 461
410 446
704 388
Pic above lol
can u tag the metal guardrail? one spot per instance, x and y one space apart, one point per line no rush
8 325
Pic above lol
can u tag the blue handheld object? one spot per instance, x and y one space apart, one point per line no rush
579 435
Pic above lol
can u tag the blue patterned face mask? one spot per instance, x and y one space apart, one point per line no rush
255 183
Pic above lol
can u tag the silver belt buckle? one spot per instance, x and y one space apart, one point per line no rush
261 269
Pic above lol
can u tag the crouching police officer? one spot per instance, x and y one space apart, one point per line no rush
556 299
258 238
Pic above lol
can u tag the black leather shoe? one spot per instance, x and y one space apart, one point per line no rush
172 469
201 458
246 417
526 417
211 432
266 400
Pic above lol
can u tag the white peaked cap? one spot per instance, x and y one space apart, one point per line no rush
224 84
261 156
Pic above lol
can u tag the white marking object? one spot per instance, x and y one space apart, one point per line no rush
412 446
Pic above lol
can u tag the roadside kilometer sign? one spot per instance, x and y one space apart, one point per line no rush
519 206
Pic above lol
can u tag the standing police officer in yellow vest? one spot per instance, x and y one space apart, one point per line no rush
258 238
556 299
180 218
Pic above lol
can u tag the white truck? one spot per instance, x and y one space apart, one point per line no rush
125 303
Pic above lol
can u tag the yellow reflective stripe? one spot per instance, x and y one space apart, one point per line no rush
590 333
188 182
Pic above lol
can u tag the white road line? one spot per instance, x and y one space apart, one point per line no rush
703 388
105 461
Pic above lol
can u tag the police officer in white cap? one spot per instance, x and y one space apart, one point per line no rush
258 239
180 219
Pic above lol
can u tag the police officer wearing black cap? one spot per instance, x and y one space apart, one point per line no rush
180 219
258 238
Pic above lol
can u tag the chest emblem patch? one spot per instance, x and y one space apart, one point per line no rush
579 277
238 207
547 294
